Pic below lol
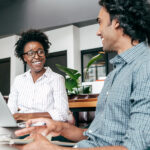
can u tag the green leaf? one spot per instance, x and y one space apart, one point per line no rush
70 72
64 69
70 84
93 59
86 89
77 75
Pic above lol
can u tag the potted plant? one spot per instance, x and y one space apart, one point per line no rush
72 79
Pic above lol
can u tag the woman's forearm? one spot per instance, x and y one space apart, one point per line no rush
27 116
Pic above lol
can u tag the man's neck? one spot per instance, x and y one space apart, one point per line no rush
125 43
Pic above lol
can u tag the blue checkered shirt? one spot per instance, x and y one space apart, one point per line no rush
123 109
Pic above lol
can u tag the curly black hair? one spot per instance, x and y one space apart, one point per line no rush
133 16
28 36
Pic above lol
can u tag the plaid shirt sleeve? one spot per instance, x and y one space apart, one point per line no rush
138 133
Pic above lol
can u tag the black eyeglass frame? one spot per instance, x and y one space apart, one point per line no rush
34 53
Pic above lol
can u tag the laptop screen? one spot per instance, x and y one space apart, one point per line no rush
6 118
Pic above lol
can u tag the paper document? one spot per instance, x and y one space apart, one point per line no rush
6 140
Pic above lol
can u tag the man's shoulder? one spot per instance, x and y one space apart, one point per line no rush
141 67
143 59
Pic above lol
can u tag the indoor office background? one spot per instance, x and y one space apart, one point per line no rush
70 25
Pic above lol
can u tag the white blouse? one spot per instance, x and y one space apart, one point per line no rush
47 94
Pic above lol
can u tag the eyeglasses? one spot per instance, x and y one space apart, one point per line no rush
32 53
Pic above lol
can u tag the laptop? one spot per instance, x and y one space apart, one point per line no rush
7 121
6 118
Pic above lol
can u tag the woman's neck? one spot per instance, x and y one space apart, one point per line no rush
36 75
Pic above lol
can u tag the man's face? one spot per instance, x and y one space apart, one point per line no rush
37 62
106 30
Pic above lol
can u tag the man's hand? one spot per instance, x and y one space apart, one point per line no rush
52 127
39 143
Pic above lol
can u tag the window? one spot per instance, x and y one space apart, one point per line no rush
5 76
98 69
57 58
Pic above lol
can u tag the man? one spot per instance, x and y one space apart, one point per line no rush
122 119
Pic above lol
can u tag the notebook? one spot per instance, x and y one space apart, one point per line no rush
27 141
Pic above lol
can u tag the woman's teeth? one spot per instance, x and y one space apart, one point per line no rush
37 62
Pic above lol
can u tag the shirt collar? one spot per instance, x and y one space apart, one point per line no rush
130 54
48 71
46 74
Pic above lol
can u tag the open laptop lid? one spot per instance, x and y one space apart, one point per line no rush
6 118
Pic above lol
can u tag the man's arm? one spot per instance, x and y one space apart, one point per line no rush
54 128
138 133
41 142
99 148
72 132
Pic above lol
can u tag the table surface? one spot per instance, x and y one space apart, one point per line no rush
83 103
79 103
75 105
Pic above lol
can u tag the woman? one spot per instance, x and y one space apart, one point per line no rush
39 89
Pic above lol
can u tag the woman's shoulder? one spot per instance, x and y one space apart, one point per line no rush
53 75
56 75
20 77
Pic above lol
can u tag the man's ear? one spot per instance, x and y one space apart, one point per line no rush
116 23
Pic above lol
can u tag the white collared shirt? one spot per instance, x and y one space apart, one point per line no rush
47 94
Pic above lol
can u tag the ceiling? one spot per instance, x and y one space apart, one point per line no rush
21 15
4 3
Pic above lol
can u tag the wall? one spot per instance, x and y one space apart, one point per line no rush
70 38
7 50
74 39
67 38
88 37
62 39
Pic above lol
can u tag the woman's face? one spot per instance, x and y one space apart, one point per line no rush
34 56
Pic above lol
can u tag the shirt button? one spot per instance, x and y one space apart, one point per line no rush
107 93
90 131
